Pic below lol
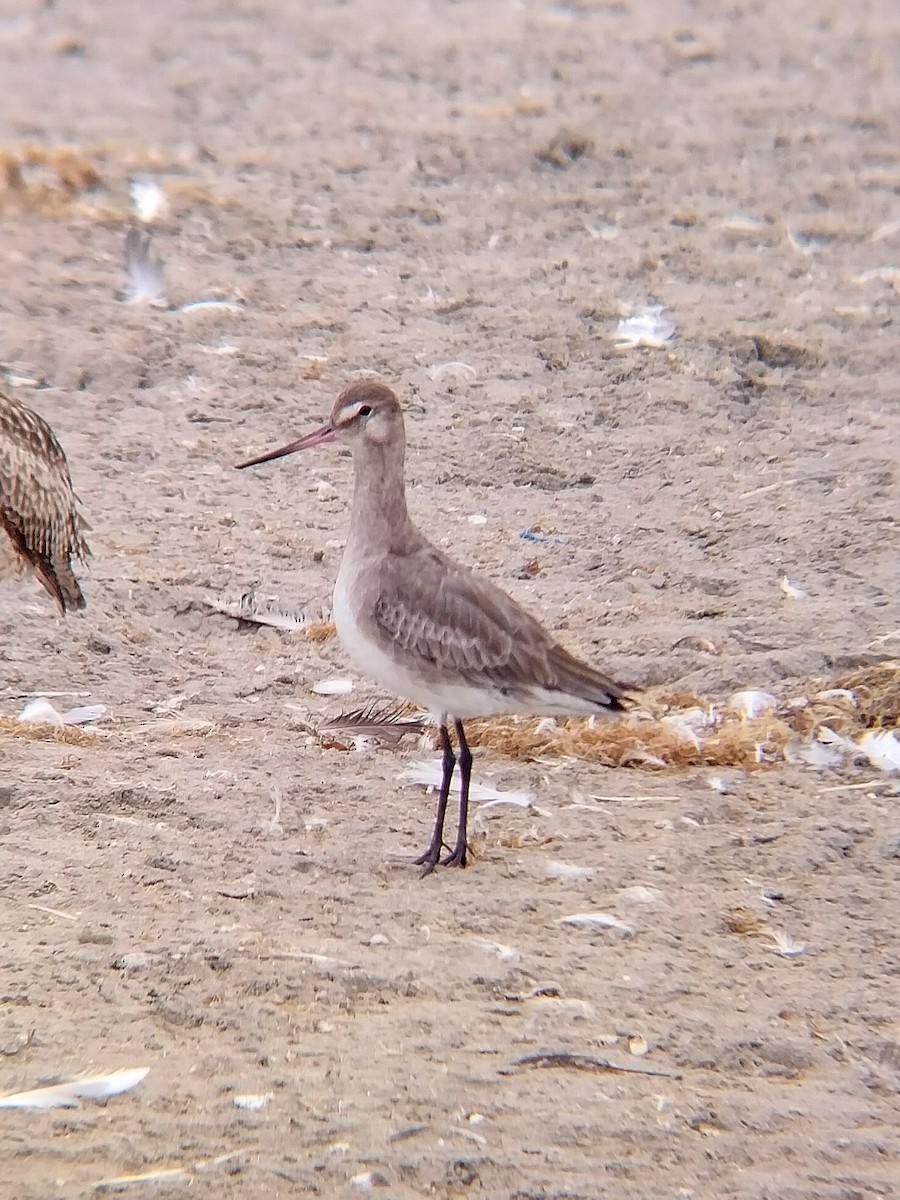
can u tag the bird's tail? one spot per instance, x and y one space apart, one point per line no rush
54 572
577 678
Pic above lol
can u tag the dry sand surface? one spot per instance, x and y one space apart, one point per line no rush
389 188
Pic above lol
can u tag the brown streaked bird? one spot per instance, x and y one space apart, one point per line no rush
38 508
426 628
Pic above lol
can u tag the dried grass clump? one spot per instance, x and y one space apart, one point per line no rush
322 631
53 181
634 742
743 921
187 194
69 735
45 180
874 702
680 729
877 691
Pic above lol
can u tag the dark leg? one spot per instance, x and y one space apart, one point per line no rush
429 860
458 857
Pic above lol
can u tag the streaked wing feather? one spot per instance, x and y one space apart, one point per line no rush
38 506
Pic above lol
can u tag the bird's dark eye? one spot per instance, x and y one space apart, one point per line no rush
365 411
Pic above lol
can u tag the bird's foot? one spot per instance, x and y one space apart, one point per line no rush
430 859
457 858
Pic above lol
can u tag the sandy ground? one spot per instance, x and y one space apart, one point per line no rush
390 188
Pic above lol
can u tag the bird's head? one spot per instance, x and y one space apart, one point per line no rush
366 413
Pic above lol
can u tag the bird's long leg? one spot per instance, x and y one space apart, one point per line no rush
429 860
458 856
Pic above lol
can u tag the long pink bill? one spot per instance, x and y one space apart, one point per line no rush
317 438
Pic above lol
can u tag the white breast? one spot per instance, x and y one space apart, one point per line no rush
397 673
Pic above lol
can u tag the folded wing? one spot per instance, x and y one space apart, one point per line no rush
467 629
38 507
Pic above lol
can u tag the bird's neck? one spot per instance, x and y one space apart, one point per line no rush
379 519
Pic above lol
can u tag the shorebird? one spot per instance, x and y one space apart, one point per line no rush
38 508
426 628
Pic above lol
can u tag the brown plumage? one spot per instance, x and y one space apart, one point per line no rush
425 627
38 507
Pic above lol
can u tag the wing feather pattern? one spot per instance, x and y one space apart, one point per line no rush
38 507
468 629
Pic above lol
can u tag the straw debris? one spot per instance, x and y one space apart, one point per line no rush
866 698
45 180
321 631
743 921
631 742
665 733
70 735
838 718
54 181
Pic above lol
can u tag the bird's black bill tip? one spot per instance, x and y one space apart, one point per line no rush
317 438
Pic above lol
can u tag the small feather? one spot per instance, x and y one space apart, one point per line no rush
84 715
429 774
67 1095
264 610
333 687
882 748
647 328
816 754
793 590
117 1182
785 944
149 200
689 723
252 1101
753 703
40 712
201 305
460 370
381 722
146 284
638 756
596 921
